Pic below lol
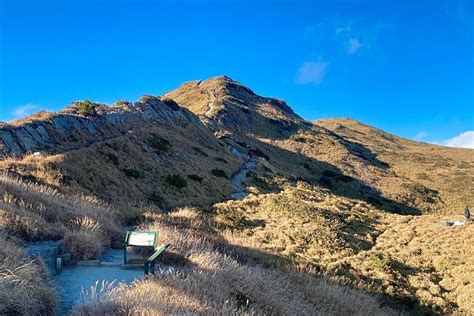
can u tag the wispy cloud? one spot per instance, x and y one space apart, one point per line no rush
463 140
311 72
353 36
358 34
24 110
353 45
421 135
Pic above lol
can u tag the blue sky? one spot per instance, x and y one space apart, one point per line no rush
404 67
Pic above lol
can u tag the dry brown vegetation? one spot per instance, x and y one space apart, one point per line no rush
31 212
216 278
24 284
330 212
406 176
448 173
133 170
415 260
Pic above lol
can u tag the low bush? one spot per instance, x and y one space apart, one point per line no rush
113 158
337 176
220 159
86 108
155 198
159 144
83 244
133 173
219 173
195 177
374 200
330 173
259 153
200 151
176 180
170 103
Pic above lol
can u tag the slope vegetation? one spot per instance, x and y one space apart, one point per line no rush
31 213
342 216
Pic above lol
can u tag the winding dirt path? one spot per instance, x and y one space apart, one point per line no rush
241 175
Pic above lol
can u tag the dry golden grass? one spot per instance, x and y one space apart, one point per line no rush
216 278
347 233
24 284
447 171
32 212
417 258
414 260
35 212
409 177
128 172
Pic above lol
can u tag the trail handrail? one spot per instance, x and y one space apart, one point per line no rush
150 262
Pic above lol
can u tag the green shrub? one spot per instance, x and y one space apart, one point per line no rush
330 173
133 173
155 198
113 158
195 177
337 176
176 180
159 144
261 154
87 108
219 173
200 151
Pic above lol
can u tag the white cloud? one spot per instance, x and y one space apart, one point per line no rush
463 140
311 72
421 135
353 45
24 110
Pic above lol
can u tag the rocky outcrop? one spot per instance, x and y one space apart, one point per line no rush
69 129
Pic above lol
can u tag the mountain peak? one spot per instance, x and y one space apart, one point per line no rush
224 103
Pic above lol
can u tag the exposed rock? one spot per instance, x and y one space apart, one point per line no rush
48 135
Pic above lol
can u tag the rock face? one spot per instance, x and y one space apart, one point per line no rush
68 129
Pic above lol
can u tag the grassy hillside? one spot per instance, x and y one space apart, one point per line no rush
153 164
447 171
414 260
395 174
340 217
217 278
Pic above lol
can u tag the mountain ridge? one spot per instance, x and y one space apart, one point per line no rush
233 116
335 199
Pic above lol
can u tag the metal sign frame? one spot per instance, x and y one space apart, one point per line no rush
130 235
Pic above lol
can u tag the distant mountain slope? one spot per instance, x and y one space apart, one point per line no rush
448 171
323 150
115 146
335 197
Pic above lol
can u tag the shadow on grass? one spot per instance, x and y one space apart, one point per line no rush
330 177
